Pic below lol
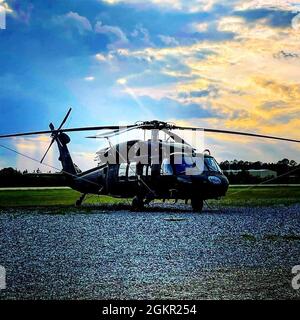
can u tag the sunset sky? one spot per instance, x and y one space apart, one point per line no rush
230 64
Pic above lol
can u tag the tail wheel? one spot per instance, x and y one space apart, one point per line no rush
137 204
197 204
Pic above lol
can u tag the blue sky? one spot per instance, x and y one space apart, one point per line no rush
223 64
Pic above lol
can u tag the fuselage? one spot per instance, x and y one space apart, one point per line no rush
127 179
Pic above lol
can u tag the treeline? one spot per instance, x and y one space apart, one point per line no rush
288 171
280 167
10 177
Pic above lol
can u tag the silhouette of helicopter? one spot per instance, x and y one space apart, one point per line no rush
145 169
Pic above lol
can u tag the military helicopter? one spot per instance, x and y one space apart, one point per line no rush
145 169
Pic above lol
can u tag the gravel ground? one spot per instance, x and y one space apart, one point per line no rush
235 253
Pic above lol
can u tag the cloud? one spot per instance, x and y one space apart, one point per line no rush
277 89
82 24
235 79
19 11
4 6
197 27
73 19
119 37
84 160
35 148
285 5
242 29
191 6
169 41
89 78
286 55
5 9
296 22
101 57
210 91
232 24
141 34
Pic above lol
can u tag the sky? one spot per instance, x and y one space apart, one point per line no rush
231 64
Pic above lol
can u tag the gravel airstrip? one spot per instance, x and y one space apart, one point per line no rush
165 252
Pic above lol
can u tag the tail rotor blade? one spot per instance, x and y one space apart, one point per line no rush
65 119
51 126
50 145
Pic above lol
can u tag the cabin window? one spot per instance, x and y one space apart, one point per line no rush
188 165
132 170
122 171
146 171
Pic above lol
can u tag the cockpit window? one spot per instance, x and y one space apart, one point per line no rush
185 164
211 165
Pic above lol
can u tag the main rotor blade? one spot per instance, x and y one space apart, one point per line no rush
64 130
239 133
251 135
114 133
119 128
25 134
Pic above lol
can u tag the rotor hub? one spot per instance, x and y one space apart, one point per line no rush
156 125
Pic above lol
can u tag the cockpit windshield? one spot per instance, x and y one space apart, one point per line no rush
211 165
189 165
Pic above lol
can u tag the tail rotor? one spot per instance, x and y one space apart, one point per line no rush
55 133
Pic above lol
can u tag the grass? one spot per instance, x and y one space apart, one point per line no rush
50 197
261 196
241 196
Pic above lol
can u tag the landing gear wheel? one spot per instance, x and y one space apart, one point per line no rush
197 204
137 204
80 200
78 203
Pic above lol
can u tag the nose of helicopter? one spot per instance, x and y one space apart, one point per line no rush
212 185
207 186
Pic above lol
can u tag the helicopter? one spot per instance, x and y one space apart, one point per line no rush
144 170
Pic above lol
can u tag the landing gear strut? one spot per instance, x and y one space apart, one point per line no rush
197 204
80 200
137 203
